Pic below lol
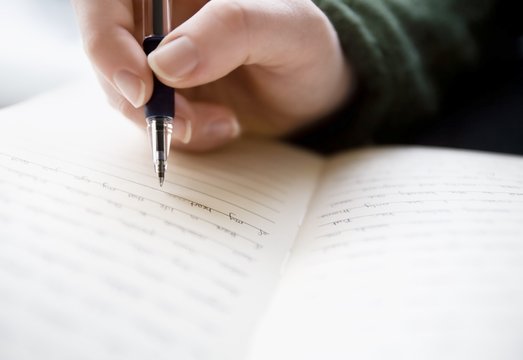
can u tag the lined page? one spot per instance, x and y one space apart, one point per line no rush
410 253
98 262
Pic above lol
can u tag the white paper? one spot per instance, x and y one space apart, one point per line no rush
408 253
98 262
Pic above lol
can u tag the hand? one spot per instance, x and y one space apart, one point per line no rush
268 67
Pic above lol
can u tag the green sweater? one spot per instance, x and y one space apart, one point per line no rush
405 54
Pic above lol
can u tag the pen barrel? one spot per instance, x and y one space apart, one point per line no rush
157 16
162 99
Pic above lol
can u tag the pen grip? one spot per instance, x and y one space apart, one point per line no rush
162 100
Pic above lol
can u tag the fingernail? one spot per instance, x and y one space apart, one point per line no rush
182 130
131 87
223 128
174 59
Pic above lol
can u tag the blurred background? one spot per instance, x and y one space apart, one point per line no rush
41 48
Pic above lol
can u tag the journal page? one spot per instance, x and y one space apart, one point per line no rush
408 253
98 262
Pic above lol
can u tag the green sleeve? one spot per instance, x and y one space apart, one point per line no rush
404 54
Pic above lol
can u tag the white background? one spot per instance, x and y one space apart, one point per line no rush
40 48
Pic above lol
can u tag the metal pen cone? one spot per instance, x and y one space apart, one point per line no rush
160 130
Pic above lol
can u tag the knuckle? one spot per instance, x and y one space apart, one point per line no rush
232 14
237 18
94 44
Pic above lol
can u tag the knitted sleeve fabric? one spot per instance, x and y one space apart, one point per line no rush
403 52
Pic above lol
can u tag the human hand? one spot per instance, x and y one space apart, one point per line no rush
268 67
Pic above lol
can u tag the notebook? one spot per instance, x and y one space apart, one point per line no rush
256 251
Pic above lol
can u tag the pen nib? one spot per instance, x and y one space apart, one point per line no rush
160 168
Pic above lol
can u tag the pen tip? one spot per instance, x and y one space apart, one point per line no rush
161 179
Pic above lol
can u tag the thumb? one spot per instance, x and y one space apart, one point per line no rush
221 36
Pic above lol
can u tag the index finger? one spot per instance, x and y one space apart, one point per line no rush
111 32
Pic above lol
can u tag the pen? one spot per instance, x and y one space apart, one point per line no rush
159 111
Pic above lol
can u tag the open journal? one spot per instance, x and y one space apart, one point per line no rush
257 251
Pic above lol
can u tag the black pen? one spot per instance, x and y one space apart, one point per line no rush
159 111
